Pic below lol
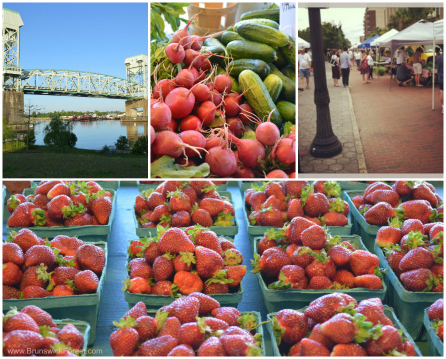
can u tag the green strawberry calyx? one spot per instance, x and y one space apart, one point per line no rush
362 328
224 220
278 330
338 205
307 191
255 263
232 257
281 284
128 322
395 223
204 328
220 277
188 258
332 189
415 239
160 318
46 332
207 188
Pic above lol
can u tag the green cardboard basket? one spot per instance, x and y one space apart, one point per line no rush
388 311
145 187
220 231
435 346
83 307
352 186
244 185
409 306
88 233
82 326
276 300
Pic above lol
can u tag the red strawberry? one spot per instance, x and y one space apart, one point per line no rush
151 251
271 217
376 186
138 310
340 206
86 282
174 241
140 268
206 239
170 327
184 261
317 335
124 341
79 219
240 345
39 254
348 350
202 217
228 314
422 191
388 196
162 268
187 282
60 206
36 276
369 281
302 257
294 188
181 219
207 303
208 261
232 257
379 214
212 205
363 262
294 208
412 225
15 320
320 282
20 216
137 285
62 274
275 189
314 237
158 213
10 292
403 188
325 307
271 262
390 234
155 199
191 334
68 246
416 209
190 192
341 328
236 273
182 350
70 335
409 349
340 255
162 288
211 347
12 274
141 205
388 341
296 227
312 348
14 201
179 201
62 291
186 309
58 189
314 204
417 258
146 327
373 310
358 201
344 277
435 311
256 200
101 208
418 280
33 291
321 266
13 253
91 257
21 342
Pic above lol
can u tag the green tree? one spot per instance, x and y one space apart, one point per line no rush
7 130
377 30
31 140
58 133
332 36
405 17
141 145
122 143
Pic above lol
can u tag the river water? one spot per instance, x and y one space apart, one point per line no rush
95 134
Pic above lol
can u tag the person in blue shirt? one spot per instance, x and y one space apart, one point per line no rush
346 66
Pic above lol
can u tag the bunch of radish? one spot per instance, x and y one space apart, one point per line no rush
196 118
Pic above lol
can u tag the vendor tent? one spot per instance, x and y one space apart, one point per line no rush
383 38
302 42
366 43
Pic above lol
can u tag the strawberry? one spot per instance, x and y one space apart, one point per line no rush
141 205
344 277
190 192
254 218
162 268
358 201
314 237
265 243
184 261
220 287
138 310
21 342
207 303
170 327
379 214
182 350
389 340
208 261
228 208
10 292
14 320
187 283
12 274
389 234
150 250
271 201
124 341
186 309
36 276
179 201
80 198
340 255
296 227
206 239
228 314
343 328
62 274
312 348
271 262
191 334
137 285
348 350
146 327
409 349
39 254
434 232
373 310
60 206
302 257
236 273
275 189
271 217
62 291
20 216
70 335
435 311
181 219
58 189
155 199
417 258
45 186
91 257
403 188
369 281
213 206
321 266
412 225
13 253
211 347
422 191
325 307
340 206
101 208
174 241
376 186
232 257
201 186
51 222
256 200
240 345
314 204
320 282
416 209
202 217
162 288
79 219
294 188
294 208
68 246
140 268
384 195
86 282
33 291
363 262
418 280
317 335
14 201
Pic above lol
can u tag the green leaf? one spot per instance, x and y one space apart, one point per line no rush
159 25
249 135
164 167
287 128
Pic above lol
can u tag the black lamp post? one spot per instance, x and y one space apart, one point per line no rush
326 143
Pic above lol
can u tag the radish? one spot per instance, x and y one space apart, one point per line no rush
194 72
235 126
190 122
246 112
160 116
152 102
206 112
250 152
182 36
163 86
293 175
223 83
185 78
214 141
173 125
221 161
206 65
267 133
189 56
197 42
198 62
292 135
152 134
286 151
277 174
170 144
180 101
243 172
195 139
175 53
216 97
232 103
201 92
201 76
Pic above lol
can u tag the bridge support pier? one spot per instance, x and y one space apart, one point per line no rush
132 105
13 106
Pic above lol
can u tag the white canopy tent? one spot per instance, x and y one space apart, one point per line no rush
302 42
384 37
421 33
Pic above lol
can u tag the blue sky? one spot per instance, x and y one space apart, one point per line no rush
93 37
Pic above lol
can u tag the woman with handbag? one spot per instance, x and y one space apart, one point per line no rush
334 61
364 68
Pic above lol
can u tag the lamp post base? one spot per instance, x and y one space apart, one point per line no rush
325 147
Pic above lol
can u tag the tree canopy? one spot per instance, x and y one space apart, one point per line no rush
332 36
404 17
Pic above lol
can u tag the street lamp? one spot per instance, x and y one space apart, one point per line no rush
337 36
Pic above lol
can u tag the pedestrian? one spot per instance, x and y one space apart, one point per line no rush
310 53
417 68
403 75
304 65
400 56
370 64
357 58
334 61
439 64
352 57
346 66
364 67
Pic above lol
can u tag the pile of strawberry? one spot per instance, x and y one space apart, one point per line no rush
404 200
303 256
32 331
37 268
58 203
435 314
414 251
337 325
181 204
190 326
275 203
184 261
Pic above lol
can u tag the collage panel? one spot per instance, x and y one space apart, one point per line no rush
75 90
223 90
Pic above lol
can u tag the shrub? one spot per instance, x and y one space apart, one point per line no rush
141 145
105 149
58 134
122 143
31 140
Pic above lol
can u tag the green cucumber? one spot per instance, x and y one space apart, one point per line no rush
289 51
217 50
287 110
289 72
272 14
263 34
281 60
229 36
289 87
235 84
260 67
244 49
230 28
266 22
214 42
274 84
258 97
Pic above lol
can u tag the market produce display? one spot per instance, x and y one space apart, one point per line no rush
224 108
32 331
184 261
59 203
184 203
194 325
337 325
38 268
435 314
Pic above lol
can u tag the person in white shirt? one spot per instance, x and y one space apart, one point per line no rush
400 56
357 58
304 66
370 63
352 57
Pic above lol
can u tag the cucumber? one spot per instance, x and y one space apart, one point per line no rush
281 60
235 84
260 67
266 22
215 50
274 84
289 87
289 72
230 28
214 42
229 36
289 51
271 14
287 110
244 49
258 97
263 34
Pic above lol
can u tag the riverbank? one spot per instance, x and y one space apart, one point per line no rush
46 162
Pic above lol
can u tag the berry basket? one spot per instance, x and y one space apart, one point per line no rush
82 326
276 300
244 185
409 306
352 186
220 231
88 233
435 346
388 311
146 186
83 307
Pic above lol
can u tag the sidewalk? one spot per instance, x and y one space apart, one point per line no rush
350 159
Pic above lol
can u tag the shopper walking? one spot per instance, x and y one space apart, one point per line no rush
304 65
364 68
335 72
370 64
345 66
417 68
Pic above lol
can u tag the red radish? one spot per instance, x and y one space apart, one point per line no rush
267 133
173 125
221 161
197 42
286 151
235 126
189 56
201 76
194 72
232 103
190 122
201 92
165 86
185 78
206 65
198 61
292 135
185 162
210 85
152 102
206 112
182 36
243 172
246 112
175 53
195 139
293 175
223 83
195 109
277 174
216 97
214 142
160 116
152 134
250 152
180 101
170 144
235 95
